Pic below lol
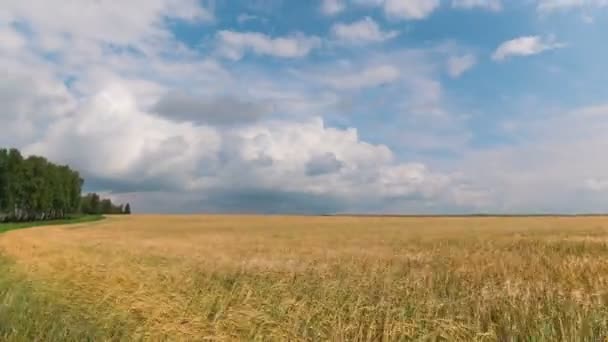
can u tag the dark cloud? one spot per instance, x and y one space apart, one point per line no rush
268 201
323 164
221 111
233 201
118 185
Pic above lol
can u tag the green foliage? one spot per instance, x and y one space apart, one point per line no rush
93 204
34 189
3 180
4 227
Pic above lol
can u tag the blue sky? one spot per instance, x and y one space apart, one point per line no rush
400 106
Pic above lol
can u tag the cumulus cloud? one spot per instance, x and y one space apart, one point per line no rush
525 46
362 31
458 65
234 45
159 124
491 5
29 103
312 158
141 114
133 135
332 7
127 143
280 157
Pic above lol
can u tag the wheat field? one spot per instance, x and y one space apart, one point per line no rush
275 278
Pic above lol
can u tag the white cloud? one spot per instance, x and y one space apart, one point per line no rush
86 37
553 161
525 46
30 101
157 154
105 21
409 80
594 184
108 109
11 39
491 5
547 6
458 65
234 45
332 7
312 158
93 106
111 121
372 76
90 101
410 9
404 9
362 31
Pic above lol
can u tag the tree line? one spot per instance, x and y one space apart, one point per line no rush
33 188
93 204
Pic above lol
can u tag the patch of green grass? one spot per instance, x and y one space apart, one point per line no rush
4 227
30 312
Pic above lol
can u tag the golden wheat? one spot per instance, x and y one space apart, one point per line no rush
329 278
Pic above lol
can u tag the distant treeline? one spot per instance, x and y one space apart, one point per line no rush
35 189
92 204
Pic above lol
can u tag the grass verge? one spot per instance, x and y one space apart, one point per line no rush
33 313
4 227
